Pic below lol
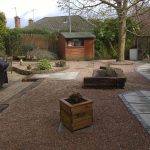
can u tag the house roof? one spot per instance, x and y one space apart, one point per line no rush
69 35
61 23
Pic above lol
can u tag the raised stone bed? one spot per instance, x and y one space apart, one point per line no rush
29 72
114 78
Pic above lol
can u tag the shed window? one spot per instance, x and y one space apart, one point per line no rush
75 42
78 42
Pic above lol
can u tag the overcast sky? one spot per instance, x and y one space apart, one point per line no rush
42 8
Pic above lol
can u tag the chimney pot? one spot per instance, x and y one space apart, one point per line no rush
30 22
17 22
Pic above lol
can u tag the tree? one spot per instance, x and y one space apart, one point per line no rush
106 32
120 7
2 32
2 23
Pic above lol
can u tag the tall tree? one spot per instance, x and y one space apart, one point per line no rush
2 23
2 31
120 7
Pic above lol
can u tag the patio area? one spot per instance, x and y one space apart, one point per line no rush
32 119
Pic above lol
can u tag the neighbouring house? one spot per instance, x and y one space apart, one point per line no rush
61 24
56 25
76 45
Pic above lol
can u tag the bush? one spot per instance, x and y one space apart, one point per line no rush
26 48
2 53
41 54
44 64
106 43
13 42
60 63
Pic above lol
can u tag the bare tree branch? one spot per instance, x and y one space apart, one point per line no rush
135 3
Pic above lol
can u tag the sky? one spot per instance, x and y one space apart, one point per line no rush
24 9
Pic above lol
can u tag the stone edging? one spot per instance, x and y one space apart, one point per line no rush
29 72
122 63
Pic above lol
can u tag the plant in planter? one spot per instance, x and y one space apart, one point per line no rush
76 112
75 98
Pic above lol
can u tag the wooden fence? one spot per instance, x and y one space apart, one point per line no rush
45 42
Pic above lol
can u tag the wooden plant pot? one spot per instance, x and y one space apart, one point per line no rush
76 116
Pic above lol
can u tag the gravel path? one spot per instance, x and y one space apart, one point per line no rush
32 122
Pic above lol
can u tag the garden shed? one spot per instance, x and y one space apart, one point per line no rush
76 45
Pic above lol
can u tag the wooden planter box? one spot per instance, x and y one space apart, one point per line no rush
76 116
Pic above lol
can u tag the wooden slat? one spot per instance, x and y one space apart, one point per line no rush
82 124
82 109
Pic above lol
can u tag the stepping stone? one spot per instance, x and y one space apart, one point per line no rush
57 76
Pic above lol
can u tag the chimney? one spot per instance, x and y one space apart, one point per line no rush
17 22
30 22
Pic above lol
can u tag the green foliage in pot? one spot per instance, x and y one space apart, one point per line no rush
44 64
75 98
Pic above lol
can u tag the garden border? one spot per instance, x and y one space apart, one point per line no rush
30 72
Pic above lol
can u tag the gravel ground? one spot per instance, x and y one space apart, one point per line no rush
32 122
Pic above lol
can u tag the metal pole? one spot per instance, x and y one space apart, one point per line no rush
69 18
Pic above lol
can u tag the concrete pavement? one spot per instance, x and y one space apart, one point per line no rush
138 102
144 70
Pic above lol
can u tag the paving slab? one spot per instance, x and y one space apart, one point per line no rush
144 70
135 99
146 118
141 108
138 102
147 93
57 76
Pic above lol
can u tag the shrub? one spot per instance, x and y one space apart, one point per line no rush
2 53
41 54
106 43
13 42
44 64
60 63
26 48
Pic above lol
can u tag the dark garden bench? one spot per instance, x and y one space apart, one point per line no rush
3 72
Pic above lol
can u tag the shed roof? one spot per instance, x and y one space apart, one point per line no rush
70 35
